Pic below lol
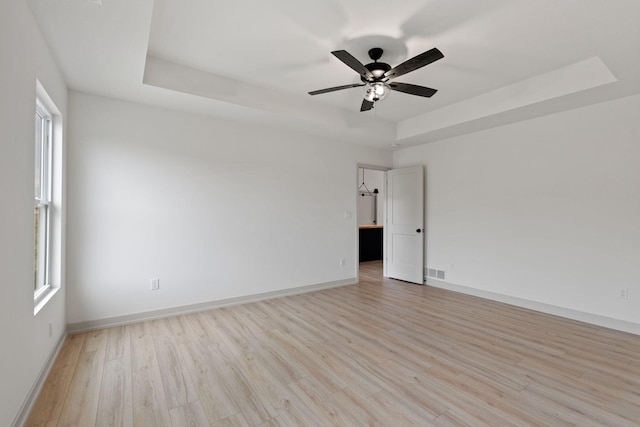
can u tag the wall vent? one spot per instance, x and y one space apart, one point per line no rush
433 273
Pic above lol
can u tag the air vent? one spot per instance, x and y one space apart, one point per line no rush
434 273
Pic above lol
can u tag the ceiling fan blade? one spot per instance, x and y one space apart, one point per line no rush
353 63
427 92
332 89
366 105
419 61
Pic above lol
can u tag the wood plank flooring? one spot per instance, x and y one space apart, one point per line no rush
382 353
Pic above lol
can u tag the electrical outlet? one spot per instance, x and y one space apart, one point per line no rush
343 262
50 329
623 293
155 284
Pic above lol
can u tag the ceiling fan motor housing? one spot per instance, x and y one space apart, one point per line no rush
377 68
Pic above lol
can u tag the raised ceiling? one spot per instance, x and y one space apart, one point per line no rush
253 60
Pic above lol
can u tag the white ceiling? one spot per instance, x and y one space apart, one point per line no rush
255 60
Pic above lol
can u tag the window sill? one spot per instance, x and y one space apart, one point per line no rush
43 298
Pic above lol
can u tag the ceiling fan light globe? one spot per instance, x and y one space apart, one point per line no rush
376 91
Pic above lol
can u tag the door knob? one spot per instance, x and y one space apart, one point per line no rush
418 230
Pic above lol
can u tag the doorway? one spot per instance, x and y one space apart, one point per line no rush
371 212
395 243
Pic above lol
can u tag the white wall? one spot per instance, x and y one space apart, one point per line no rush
26 344
212 208
547 210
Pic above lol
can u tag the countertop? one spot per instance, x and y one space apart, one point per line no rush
365 226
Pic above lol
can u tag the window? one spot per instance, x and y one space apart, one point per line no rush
48 200
42 222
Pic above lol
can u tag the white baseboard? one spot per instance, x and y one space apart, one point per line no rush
174 311
36 388
594 319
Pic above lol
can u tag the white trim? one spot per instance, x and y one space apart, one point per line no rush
42 296
36 388
185 309
374 167
581 316
45 100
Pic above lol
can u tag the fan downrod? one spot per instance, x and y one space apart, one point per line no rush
377 68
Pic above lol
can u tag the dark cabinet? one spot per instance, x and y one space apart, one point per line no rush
370 243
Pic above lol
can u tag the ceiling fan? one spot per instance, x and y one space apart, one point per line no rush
377 76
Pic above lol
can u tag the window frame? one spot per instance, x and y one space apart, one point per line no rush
43 177
49 198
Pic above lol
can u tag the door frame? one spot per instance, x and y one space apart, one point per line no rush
384 236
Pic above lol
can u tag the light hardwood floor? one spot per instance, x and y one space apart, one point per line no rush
382 353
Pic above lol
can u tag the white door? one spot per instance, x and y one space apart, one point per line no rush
405 224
